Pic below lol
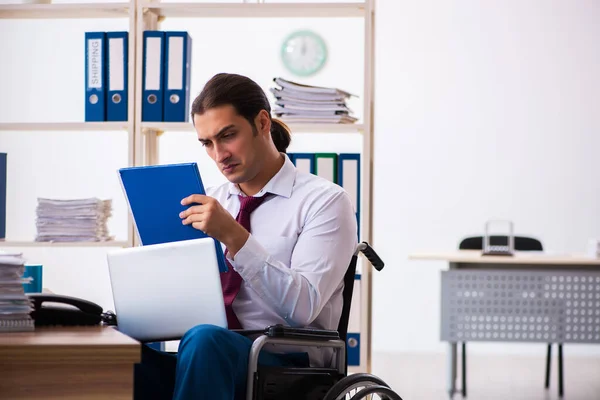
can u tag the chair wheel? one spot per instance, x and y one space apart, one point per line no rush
366 384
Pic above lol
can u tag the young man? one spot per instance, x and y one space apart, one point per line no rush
289 238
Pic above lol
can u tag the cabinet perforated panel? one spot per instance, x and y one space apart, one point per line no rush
521 306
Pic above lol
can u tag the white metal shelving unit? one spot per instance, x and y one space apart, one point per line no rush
150 14
72 11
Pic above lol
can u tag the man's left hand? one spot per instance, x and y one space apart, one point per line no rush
209 216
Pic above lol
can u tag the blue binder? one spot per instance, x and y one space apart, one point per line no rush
95 76
349 178
154 194
304 161
353 349
117 56
152 76
3 180
178 59
353 335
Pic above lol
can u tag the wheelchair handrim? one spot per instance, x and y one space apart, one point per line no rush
362 385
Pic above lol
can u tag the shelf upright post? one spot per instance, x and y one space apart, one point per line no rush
367 179
147 143
131 120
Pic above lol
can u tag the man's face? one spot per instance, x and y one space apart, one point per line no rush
231 142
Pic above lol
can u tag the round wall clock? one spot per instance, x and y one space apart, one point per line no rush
304 53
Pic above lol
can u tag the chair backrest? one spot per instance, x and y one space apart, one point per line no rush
347 297
522 243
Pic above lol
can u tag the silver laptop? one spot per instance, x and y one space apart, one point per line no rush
160 291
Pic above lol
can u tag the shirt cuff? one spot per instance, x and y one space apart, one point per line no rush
249 259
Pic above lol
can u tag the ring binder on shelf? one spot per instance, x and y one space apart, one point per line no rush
117 76
152 76
303 161
353 336
95 76
326 166
178 58
349 179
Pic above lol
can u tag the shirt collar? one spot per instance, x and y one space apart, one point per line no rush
281 184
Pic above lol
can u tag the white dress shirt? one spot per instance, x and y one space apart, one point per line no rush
302 239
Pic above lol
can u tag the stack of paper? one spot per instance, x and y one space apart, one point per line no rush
15 306
297 103
78 220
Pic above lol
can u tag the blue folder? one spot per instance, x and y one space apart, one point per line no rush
178 60
117 76
95 76
154 194
295 157
153 76
351 160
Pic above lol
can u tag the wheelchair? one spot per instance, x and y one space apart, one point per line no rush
297 383
309 383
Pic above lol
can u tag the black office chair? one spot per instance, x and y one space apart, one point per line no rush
333 383
521 243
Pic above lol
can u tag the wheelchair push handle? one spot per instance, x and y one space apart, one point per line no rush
371 255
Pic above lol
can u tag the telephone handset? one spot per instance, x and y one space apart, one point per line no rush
54 309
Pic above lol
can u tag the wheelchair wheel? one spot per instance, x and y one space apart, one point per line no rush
359 386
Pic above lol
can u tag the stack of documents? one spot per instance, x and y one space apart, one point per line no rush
78 220
15 306
297 103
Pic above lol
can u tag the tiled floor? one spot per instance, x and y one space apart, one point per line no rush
423 376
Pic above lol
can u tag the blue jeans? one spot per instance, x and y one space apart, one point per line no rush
212 362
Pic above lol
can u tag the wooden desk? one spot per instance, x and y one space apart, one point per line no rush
500 288
67 363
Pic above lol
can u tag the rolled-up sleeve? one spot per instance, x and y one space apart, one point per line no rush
319 261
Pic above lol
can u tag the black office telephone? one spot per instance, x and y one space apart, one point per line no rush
54 309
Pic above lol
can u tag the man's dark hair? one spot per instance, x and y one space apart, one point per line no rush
246 97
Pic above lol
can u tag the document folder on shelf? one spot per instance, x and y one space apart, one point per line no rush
117 76
303 161
326 166
154 194
353 336
95 76
152 76
178 59
349 179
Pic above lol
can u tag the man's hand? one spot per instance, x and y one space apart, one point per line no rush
207 215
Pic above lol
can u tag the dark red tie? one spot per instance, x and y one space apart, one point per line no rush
231 281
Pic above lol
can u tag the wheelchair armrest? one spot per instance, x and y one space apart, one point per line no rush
249 332
286 332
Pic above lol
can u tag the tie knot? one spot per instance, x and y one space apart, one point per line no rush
249 204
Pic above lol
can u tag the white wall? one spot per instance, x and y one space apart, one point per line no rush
483 110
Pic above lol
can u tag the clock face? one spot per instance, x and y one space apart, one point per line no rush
304 53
